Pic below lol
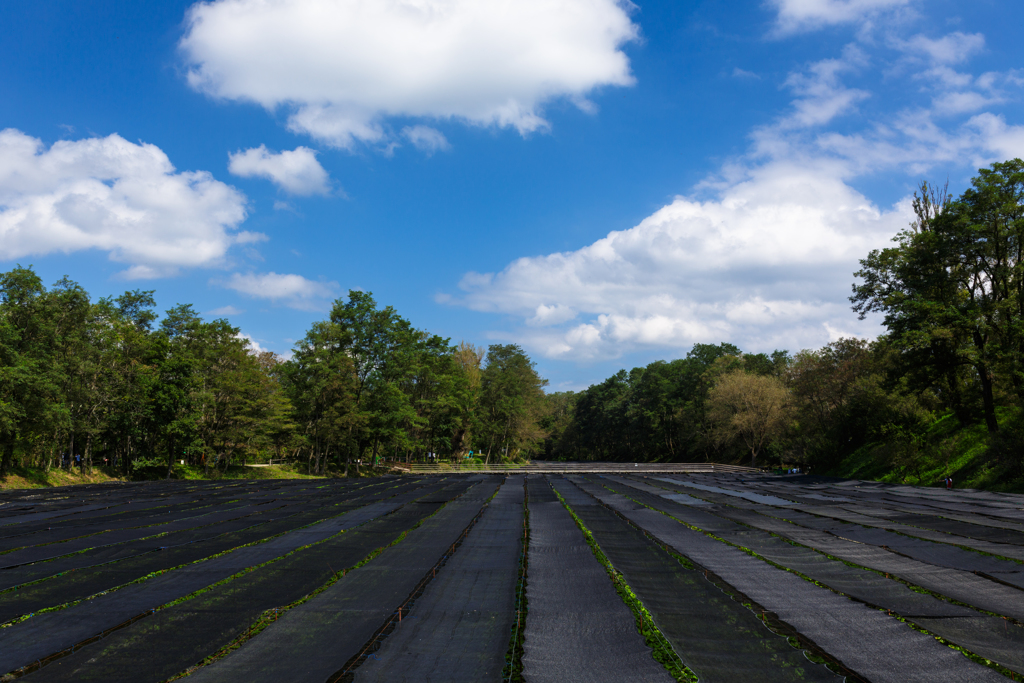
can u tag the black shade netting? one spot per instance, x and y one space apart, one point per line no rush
870 587
875 645
578 629
315 639
52 632
931 552
991 637
985 532
60 530
715 636
141 514
866 517
539 490
18 574
39 553
458 630
959 585
213 619
206 528
157 554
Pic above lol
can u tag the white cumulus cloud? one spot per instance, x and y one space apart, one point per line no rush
821 95
763 254
951 48
342 67
296 172
804 15
116 196
254 346
426 139
289 289
768 259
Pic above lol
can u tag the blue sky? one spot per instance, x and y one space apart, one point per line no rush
603 183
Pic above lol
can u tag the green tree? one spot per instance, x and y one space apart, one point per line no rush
511 402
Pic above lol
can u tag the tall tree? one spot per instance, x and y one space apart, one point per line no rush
511 402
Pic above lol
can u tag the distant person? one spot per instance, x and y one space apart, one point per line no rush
949 483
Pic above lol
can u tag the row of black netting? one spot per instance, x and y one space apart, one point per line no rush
715 636
321 638
46 634
768 538
458 629
578 629
213 619
108 566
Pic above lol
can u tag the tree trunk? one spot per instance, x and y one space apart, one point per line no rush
8 455
170 457
987 399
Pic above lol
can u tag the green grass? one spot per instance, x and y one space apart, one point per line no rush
38 477
967 454
661 649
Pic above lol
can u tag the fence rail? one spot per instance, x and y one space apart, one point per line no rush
572 467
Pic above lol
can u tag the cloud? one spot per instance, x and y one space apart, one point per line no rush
742 73
952 48
768 260
795 16
426 139
296 172
254 346
340 68
821 96
763 253
294 291
226 311
115 196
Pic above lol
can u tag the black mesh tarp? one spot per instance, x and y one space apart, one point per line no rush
578 629
458 630
314 640
48 633
872 588
978 530
61 530
937 553
865 517
989 637
715 636
39 553
13 576
91 580
959 585
866 640
938 567
204 624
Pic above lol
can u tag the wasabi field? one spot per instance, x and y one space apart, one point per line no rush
587 576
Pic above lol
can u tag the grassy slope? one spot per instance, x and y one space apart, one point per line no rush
36 478
29 478
962 453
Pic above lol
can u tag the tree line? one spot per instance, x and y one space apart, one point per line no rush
111 382
951 293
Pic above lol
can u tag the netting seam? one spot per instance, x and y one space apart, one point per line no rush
829 660
38 664
513 669
769 619
346 674
889 575
661 648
